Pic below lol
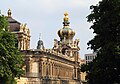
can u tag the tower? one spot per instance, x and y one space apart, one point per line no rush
21 31
67 45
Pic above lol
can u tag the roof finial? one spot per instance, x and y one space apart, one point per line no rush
66 16
66 13
9 13
40 36
66 22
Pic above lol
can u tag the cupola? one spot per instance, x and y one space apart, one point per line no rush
66 32
40 44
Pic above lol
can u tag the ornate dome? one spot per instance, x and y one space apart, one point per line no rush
66 32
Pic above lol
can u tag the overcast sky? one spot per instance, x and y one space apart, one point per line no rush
46 17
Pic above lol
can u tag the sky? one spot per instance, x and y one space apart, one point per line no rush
46 17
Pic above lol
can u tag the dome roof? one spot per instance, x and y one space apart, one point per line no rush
13 25
66 31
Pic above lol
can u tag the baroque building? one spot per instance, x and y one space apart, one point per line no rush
58 65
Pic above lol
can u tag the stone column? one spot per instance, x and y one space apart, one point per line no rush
24 44
19 44
42 64
51 66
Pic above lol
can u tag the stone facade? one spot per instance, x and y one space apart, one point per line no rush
50 67
58 65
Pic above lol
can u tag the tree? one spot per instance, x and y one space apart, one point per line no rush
10 59
105 69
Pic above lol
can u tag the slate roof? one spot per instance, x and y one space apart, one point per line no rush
13 25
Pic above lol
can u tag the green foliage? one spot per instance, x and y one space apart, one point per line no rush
3 23
105 17
10 59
